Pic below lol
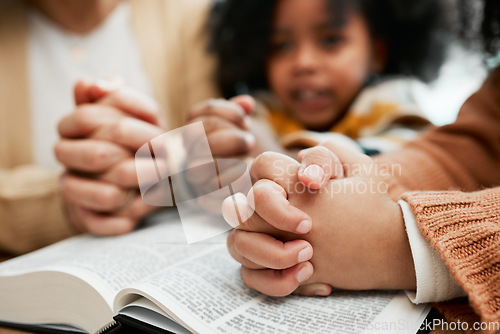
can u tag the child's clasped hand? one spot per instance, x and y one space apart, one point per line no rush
348 234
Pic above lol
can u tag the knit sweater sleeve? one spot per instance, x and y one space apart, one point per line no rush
464 228
31 210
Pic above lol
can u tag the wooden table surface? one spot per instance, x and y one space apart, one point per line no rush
10 331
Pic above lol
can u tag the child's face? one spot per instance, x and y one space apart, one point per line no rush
317 69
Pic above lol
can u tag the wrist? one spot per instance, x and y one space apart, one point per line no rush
400 269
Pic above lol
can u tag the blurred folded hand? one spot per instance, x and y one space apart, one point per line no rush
97 146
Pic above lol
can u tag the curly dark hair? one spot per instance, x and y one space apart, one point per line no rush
241 30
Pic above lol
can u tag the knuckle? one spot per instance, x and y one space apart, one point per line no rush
230 245
82 115
262 163
65 189
122 173
249 280
91 227
287 290
192 112
200 108
135 211
210 123
211 102
261 194
245 277
118 129
59 151
258 283
236 142
97 156
284 220
127 226
239 243
241 143
110 198
115 95
322 149
90 223
279 260
126 174
246 262
263 159
286 287
259 198
233 112
211 106
320 153
250 224
139 210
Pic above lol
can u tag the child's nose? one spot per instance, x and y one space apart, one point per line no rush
305 60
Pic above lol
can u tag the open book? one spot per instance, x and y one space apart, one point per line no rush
153 276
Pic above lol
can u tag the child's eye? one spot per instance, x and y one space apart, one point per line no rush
331 40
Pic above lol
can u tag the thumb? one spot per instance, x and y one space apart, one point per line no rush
317 166
354 163
80 91
246 102
87 91
104 87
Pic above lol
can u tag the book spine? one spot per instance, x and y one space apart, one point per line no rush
108 328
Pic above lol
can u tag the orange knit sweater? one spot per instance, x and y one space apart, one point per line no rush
465 229
462 225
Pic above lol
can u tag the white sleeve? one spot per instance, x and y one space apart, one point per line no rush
434 281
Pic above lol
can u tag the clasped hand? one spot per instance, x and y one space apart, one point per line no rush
97 146
324 222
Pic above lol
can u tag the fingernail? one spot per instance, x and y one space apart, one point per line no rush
244 212
250 140
247 122
304 273
240 197
315 173
304 226
241 110
229 211
305 254
322 292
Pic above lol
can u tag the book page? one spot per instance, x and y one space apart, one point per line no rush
394 320
75 281
207 295
144 310
113 263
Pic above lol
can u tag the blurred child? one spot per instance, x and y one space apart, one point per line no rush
442 242
330 66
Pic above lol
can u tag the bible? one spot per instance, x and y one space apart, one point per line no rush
152 277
